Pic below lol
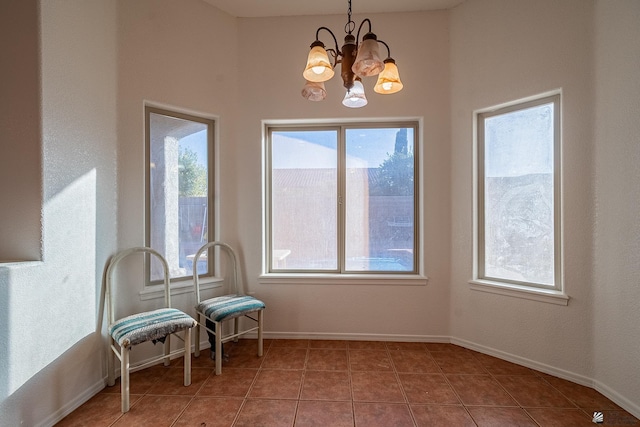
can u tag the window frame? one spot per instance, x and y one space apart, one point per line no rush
271 275
151 286
548 293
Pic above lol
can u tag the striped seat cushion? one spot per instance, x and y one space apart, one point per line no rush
151 325
229 306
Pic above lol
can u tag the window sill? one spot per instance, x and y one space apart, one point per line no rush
182 287
343 279
543 295
17 264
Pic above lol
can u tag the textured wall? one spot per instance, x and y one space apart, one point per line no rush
419 44
183 56
504 50
51 338
101 60
616 319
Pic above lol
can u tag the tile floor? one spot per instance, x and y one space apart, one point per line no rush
349 383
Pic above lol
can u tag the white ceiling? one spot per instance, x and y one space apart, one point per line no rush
262 8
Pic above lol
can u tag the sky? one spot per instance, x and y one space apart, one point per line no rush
197 142
366 148
520 142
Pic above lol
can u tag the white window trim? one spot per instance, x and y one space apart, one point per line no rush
180 287
519 291
555 294
296 278
343 279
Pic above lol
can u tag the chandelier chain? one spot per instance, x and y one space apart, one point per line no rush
350 25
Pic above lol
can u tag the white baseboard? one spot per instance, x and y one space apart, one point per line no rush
632 407
542 367
57 416
71 406
353 337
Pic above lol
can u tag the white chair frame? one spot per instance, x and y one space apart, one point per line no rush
122 353
201 318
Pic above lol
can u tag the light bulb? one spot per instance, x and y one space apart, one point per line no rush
318 69
355 97
389 79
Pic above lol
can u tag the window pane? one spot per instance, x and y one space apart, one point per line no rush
179 197
519 195
304 177
379 199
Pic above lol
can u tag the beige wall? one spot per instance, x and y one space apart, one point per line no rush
181 55
51 357
270 90
503 50
616 317
223 82
101 60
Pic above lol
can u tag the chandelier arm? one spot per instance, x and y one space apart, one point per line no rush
360 27
332 35
387 46
335 56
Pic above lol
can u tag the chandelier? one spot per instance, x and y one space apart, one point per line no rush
357 59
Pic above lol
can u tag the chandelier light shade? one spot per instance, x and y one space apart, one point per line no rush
314 91
318 67
355 97
368 62
389 79
358 59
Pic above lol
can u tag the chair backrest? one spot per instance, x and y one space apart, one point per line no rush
109 300
236 288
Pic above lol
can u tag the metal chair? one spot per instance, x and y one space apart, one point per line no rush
156 325
220 309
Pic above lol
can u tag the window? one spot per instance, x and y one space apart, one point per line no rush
179 189
342 199
518 195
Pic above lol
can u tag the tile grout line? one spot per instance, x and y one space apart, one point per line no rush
253 382
464 406
302 379
397 376
353 403
494 378
565 396
402 366
193 398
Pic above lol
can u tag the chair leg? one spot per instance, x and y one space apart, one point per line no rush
260 322
236 328
124 378
196 343
187 357
111 374
218 348
167 350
